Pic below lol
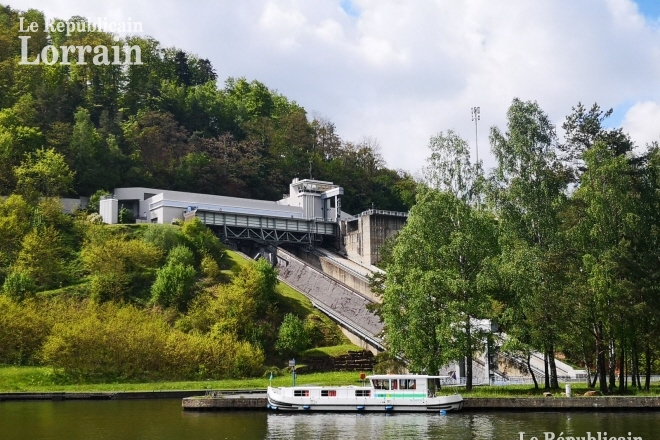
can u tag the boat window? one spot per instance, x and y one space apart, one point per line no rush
407 384
301 393
362 393
377 384
395 384
328 393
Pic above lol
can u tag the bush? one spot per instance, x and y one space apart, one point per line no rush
111 341
108 341
164 237
292 338
23 329
181 255
174 286
95 200
126 216
18 285
119 269
202 239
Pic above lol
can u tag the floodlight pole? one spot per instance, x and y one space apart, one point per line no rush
476 115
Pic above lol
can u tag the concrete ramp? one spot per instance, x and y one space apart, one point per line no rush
342 304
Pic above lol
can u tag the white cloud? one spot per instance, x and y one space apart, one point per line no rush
642 122
402 71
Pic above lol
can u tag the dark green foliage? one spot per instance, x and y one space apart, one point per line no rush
292 338
167 124
126 216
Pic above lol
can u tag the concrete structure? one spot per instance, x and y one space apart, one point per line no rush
309 213
343 305
364 235
71 205
109 210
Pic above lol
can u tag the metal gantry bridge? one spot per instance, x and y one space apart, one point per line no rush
267 230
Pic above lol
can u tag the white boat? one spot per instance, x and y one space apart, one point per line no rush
384 393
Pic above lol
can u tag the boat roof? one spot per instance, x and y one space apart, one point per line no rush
405 376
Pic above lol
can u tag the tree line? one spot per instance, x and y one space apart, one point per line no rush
559 244
167 124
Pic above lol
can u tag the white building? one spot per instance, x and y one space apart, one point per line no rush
307 200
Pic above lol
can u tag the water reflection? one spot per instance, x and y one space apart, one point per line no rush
164 420
379 426
459 426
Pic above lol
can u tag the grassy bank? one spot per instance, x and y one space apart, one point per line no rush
42 379
578 389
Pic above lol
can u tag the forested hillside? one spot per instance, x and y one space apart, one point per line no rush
136 302
169 123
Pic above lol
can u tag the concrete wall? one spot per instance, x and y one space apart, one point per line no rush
109 210
363 237
333 298
354 281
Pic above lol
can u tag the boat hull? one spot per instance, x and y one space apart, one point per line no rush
305 404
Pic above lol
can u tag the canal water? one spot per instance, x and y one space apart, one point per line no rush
164 420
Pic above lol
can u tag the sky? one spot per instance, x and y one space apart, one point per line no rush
402 71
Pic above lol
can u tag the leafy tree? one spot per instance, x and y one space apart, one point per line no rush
94 201
292 338
44 173
528 190
40 258
432 297
174 285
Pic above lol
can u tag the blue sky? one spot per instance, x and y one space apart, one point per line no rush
650 8
401 71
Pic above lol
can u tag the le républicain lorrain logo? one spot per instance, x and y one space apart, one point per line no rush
104 55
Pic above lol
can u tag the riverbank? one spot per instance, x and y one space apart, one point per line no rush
41 380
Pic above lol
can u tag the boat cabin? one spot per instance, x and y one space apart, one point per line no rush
412 383
378 386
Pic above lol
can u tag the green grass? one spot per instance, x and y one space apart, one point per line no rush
290 300
337 350
578 389
42 379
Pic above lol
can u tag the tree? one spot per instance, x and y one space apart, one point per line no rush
292 337
175 282
528 190
433 297
40 257
44 173
612 236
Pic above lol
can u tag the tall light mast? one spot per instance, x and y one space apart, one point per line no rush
476 115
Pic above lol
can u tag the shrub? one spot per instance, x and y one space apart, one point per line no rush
164 237
108 341
292 338
119 269
181 255
126 216
174 286
112 341
23 329
40 257
18 285
202 239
